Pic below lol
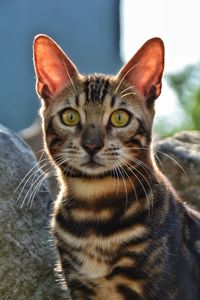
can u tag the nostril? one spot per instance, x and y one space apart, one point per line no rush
91 148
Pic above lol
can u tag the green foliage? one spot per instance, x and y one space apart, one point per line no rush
186 84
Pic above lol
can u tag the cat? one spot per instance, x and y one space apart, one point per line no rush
120 229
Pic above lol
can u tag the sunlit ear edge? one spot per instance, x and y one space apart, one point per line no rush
45 87
148 86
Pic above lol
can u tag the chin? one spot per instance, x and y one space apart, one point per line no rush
93 169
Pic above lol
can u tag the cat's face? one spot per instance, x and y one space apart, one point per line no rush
92 130
96 124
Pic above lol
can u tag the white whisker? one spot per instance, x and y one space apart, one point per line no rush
174 160
29 178
29 192
127 94
117 175
128 88
131 183
24 178
158 151
141 163
35 190
70 78
125 187
118 86
159 161
129 166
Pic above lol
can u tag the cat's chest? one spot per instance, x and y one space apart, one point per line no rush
92 244
90 256
93 263
94 255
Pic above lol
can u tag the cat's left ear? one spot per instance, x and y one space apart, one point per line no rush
144 70
54 70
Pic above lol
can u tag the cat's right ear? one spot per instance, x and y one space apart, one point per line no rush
54 70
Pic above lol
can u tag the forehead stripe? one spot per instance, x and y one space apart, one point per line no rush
77 100
96 89
113 100
105 89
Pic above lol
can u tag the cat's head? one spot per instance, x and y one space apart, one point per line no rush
93 124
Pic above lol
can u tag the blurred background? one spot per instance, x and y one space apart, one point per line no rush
99 36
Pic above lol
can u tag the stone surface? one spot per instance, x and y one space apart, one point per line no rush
179 158
27 256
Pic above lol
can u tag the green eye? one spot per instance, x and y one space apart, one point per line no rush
70 117
119 118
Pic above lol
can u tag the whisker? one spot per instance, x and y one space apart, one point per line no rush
158 151
117 175
131 183
36 183
129 166
69 165
118 86
30 190
39 161
136 148
141 163
125 187
174 160
128 88
72 83
128 94
41 150
36 189
28 177
160 162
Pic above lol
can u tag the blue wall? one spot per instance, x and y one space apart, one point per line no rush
87 30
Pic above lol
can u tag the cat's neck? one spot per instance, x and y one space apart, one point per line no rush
94 190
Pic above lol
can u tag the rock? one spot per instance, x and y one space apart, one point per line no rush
34 138
179 158
27 256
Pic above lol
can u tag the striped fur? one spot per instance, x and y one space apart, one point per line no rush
120 230
139 248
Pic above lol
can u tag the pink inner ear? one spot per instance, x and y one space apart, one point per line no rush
144 70
53 68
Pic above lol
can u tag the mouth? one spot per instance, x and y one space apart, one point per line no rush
91 163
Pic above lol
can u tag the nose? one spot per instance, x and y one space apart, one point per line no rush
92 138
91 148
